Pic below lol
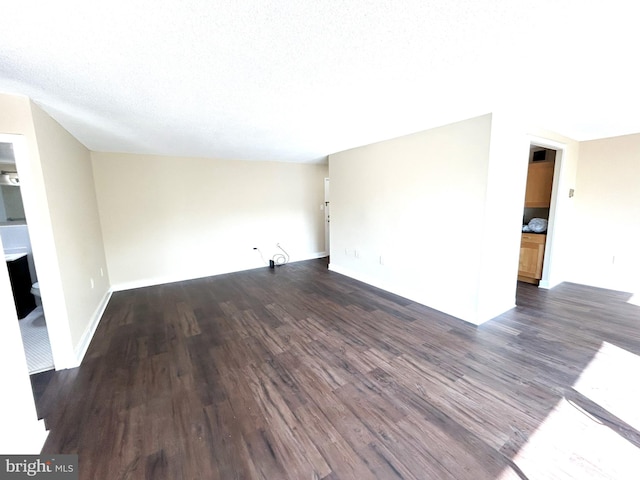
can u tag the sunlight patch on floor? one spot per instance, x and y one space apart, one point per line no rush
612 380
572 443
635 299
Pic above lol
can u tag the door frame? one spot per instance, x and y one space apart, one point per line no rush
548 280
58 338
27 433
327 217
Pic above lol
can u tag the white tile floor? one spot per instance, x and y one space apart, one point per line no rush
36 342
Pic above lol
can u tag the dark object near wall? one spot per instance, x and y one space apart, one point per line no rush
539 156
21 286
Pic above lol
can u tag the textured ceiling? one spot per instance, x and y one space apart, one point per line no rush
297 80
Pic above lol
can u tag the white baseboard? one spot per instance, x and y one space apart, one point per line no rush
466 316
87 336
357 276
493 313
153 281
547 285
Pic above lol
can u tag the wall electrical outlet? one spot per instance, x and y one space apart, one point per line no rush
91 282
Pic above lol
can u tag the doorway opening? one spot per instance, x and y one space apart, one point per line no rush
539 212
327 218
21 265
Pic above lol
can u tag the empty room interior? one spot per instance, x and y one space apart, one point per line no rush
321 240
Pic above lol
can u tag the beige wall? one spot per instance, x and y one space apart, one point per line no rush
17 118
68 179
422 204
169 218
605 252
498 242
41 145
59 201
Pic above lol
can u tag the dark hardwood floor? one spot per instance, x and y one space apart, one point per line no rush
301 373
